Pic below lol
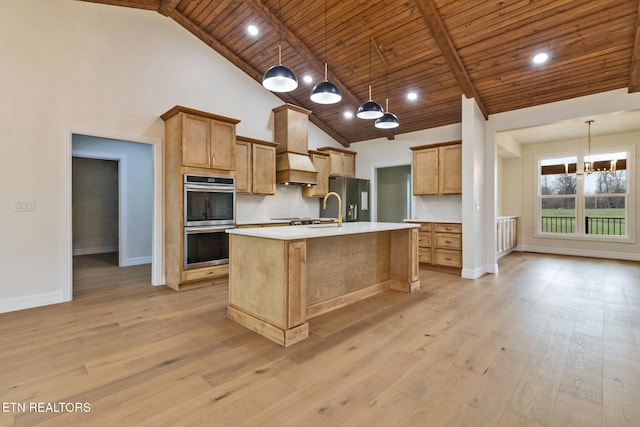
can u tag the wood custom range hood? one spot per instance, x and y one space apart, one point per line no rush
293 164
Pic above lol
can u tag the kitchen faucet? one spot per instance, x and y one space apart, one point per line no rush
324 206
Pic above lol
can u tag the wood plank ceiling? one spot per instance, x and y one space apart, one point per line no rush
438 49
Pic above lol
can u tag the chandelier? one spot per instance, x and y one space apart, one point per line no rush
593 166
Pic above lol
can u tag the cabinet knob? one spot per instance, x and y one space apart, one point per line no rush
447 228
448 258
448 241
210 272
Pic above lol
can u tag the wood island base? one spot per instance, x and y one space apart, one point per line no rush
276 284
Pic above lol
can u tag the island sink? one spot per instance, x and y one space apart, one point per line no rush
279 277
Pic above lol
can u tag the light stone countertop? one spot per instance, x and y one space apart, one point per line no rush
445 221
293 232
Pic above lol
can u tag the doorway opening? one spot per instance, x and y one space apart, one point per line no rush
112 206
393 193
113 210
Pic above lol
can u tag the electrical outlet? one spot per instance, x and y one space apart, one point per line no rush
25 206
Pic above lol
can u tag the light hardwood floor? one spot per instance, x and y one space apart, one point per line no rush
550 341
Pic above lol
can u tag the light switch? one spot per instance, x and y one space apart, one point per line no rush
25 206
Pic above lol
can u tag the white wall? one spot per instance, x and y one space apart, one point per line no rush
477 199
114 70
136 192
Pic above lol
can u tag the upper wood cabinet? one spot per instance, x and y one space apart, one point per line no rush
195 142
321 163
437 169
199 139
450 169
255 166
341 162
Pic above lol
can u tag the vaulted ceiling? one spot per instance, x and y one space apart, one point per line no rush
438 49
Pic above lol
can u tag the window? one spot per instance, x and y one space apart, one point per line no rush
591 205
558 196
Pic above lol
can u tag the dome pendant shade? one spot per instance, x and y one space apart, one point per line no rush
370 109
387 121
325 92
279 79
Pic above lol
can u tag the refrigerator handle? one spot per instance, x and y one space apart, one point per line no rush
352 212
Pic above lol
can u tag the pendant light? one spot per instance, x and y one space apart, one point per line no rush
388 120
589 166
279 78
325 92
370 109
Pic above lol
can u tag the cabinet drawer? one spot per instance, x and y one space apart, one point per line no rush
425 226
448 257
205 273
424 239
448 241
424 255
448 228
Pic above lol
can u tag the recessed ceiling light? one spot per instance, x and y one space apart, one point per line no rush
348 114
540 58
307 79
253 30
412 96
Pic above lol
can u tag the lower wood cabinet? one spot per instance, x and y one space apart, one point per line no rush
440 244
205 273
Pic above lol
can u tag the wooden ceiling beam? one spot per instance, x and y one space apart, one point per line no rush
166 7
441 36
303 51
634 74
134 4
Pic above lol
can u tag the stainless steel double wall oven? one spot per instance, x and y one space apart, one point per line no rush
209 210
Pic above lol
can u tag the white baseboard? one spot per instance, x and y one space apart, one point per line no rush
580 252
98 250
493 269
31 301
136 261
474 273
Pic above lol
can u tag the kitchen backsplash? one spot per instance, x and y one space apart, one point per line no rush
438 208
286 203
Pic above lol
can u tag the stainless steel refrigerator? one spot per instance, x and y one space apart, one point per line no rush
354 193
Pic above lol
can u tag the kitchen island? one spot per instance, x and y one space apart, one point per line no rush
281 276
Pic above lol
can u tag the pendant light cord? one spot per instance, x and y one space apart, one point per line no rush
279 33
386 89
370 43
326 55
